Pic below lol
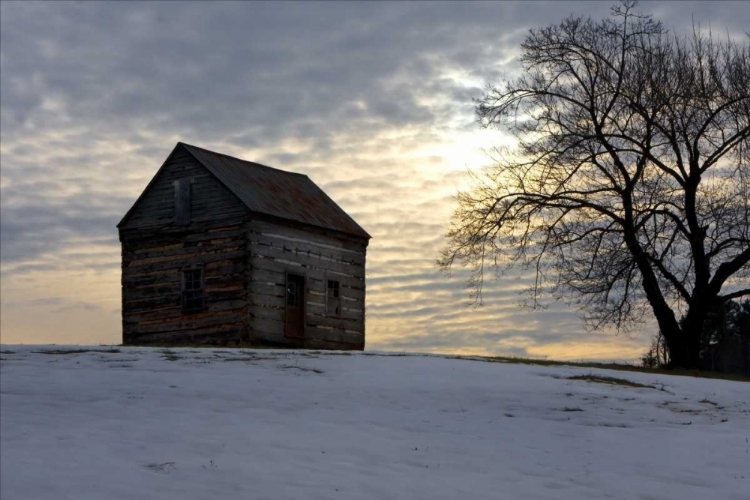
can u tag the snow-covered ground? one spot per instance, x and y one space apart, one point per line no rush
239 424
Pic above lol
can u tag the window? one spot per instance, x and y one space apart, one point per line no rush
192 290
182 202
333 299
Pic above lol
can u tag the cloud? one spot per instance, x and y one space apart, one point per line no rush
372 100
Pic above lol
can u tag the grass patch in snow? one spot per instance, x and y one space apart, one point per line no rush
77 351
610 381
164 467
708 401
302 368
170 355
249 358
604 366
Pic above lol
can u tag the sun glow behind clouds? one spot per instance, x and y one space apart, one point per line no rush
373 101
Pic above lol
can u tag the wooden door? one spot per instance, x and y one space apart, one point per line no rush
295 306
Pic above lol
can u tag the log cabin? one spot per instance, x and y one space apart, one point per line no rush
219 250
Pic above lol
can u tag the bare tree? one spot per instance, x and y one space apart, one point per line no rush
658 355
628 187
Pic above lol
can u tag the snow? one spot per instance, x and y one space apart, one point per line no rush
210 423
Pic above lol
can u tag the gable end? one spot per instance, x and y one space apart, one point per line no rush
181 182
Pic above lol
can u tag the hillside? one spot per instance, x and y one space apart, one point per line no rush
126 423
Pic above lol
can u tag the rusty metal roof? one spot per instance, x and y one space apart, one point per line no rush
275 192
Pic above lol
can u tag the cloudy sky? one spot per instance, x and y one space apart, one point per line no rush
372 100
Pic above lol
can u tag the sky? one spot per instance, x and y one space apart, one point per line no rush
372 100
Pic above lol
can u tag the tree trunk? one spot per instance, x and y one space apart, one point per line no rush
685 346
674 340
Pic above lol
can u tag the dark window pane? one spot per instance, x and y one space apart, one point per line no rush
291 294
192 291
182 202
333 301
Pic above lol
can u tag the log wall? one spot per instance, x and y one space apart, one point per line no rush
279 248
155 251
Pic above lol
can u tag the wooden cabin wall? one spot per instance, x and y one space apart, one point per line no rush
277 249
155 252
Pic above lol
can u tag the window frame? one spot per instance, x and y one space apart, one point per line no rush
183 203
185 291
337 298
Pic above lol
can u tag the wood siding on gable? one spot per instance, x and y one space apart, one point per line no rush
277 249
210 200
155 251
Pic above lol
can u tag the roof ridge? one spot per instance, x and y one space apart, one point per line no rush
240 159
